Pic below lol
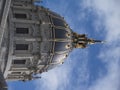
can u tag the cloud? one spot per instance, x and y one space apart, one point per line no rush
111 81
108 11
112 14
53 79
61 77
108 16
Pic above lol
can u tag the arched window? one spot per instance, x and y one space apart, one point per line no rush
58 22
54 14
60 33
57 58
60 46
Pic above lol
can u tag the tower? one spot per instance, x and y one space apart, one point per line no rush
35 40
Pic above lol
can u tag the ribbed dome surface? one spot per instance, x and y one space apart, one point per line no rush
56 39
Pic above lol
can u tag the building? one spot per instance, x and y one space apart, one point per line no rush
33 40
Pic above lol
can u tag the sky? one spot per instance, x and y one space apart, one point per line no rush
98 66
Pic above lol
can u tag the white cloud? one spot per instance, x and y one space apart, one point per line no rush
108 11
53 79
111 81
112 14
108 15
60 77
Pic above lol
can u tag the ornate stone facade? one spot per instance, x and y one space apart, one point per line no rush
37 40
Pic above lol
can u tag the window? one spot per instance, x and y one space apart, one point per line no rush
58 22
60 46
19 61
59 33
21 46
16 73
22 31
17 4
54 14
52 66
57 58
20 15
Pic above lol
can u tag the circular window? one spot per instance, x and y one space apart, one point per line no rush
68 46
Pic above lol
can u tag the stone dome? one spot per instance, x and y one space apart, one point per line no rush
56 38
38 40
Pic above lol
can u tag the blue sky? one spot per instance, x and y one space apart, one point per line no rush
94 68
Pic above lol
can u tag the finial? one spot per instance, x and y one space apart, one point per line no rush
92 41
81 40
103 41
37 77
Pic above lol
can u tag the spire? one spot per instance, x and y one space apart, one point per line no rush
82 41
92 41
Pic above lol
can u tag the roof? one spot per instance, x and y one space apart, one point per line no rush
56 40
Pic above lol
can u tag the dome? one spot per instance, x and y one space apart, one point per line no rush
56 39
40 40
